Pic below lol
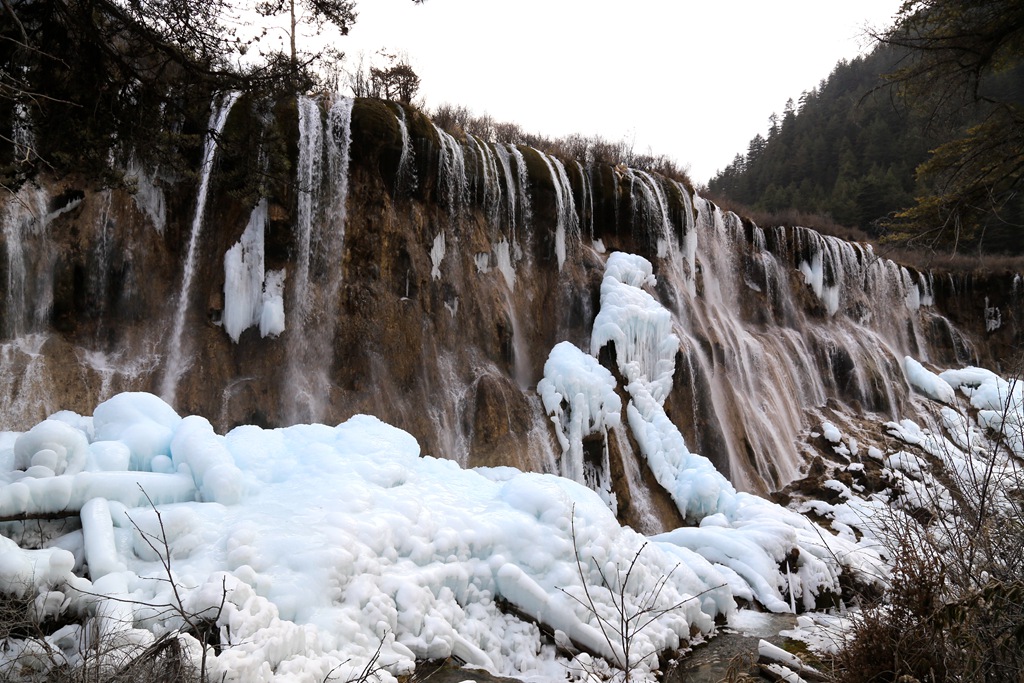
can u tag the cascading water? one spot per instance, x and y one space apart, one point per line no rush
452 180
176 363
522 183
650 214
750 387
405 177
586 199
308 177
513 202
100 276
25 384
654 196
322 236
490 190
24 219
567 223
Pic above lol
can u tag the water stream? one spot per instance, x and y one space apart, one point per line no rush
319 274
176 361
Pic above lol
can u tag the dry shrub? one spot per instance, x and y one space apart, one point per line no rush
105 661
904 635
588 149
954 610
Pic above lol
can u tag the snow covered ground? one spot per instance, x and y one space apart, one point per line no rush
322 552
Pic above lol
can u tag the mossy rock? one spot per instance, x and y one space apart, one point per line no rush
376 138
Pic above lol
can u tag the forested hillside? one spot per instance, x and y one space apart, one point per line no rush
849 151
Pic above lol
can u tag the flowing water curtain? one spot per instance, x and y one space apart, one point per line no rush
177 354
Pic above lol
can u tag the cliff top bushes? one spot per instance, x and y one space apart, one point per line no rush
460 121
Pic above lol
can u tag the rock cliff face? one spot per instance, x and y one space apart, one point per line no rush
424 279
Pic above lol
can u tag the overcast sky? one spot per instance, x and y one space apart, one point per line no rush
693 80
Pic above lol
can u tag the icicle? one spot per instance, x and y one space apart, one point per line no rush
579 396
147 196
993 317
22 135
437 255
244 275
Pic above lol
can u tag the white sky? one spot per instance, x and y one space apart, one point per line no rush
693 80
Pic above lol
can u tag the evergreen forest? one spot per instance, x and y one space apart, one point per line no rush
856 152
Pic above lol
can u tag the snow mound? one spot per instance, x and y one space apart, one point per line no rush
330 545
927 382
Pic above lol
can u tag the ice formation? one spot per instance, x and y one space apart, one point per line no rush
579 395
927 382
317 548
327 544
252 297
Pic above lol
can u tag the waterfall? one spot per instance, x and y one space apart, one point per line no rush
649 213
321 229
405 177
511 217
587 199
657 211
25 383
778 328
452 182
757 371
522 183
489 191
24 219
566 222
99 274
308 177
176 364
